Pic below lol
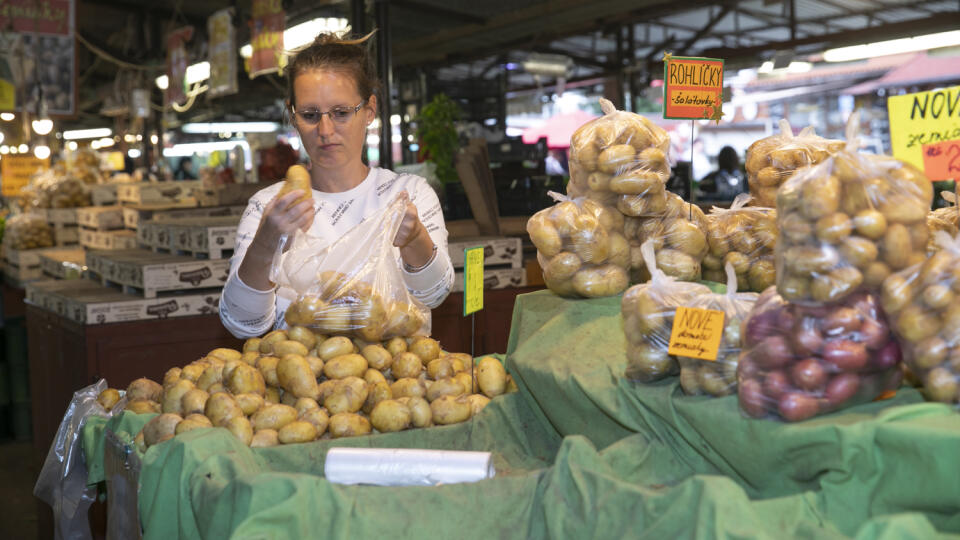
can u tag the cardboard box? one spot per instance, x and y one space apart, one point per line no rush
230 194
135 215
29 257
148 273
103 218
64 264
89 303
496 278
122 239
497 251
158 192
212 235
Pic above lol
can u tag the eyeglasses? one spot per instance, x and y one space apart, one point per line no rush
340 115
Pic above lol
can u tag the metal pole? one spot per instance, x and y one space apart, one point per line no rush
358 17
385 69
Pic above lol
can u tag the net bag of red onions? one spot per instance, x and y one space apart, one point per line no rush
924 312
802 361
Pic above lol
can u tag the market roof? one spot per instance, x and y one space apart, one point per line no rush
921 68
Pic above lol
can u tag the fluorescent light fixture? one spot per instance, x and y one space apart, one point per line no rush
42 126
397 138
23 148
133 153
894 46
13 150
230 127
7 116
72 145
799 67
94 133
766 67
195 73
304 33
105 142
42 151
1 137
189 149
794 67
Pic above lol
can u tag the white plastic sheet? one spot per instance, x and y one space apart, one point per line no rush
405 467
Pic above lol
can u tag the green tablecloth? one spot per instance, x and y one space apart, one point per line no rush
580 454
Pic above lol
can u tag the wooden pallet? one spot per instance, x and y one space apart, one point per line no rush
179 192
137 214
211 237
101 218
113 240
145 273
64 264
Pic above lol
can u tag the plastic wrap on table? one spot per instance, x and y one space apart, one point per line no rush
718 377
648 310
581 247
63 480
620 159
770 161
802 361
921 302
355 285
847 223
679 240
27 231
744 236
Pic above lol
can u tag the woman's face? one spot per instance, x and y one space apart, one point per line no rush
329 143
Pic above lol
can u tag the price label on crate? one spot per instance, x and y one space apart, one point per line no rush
696 333
472 280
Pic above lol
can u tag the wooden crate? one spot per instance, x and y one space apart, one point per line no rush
158 192
64 264
63 216
45 293
101 305
135 215
29 257
230 194
497 251
103 194
101 218
139 271
496 278
209 237
122 239
65 234
19 276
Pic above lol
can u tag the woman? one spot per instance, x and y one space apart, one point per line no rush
332 100
725 183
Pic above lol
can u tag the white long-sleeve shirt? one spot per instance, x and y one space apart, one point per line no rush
247 312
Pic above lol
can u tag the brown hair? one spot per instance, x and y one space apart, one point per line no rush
328 51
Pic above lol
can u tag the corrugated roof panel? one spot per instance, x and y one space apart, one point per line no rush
810 9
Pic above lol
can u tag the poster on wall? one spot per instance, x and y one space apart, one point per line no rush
223 59
37 56
177 64
266 37
925 133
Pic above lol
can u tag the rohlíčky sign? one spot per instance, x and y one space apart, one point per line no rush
692 87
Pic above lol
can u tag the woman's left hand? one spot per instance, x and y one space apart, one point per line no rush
410 228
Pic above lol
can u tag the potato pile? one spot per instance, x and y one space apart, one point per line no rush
296 386
57 188
772 160
798 362
849 222
679 239
620 159
27 231
744 236
921 302
354 308
581 248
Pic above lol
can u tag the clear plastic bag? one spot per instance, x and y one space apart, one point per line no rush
719 377
849 222
63 480
58 188
27 231
620 159
801 361
921 302
353 286
744 236
946 219
771 160
648 311
581 247
679 240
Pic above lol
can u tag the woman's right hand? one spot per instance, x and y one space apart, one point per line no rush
280 217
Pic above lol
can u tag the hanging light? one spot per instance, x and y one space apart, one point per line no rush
42 151
7 116
42 124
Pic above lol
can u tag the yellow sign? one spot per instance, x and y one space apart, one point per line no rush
115 161
472 280
16 170
920 124
696 333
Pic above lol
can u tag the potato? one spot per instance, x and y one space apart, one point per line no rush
246 379
408 387
345 365
252 345
858 251
190 424
225 354
171 399
468 381
140 443
290 346
348 396
896 246
333 347
875 273
142 406
375 394
761 275
193 371
194 401
170 378
220 408
544 236
303 335
406 365
267 365
272 395
297 178
451 410
250 358
249 403
267 342
441 368
305 404
318 417
160 428
377 357
562 267
606 280
687 237
240 427
445 387
491 376
273 416
477 403
834 227
635 182
316 365
427 349
348 425
836 284
372 377
916 323
820 196
678 264
108 398
287 398
870 224
296 377
210 376
396 346
390 415
265 438
144 388
299 431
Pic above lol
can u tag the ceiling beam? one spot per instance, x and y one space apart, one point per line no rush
577 58
431 9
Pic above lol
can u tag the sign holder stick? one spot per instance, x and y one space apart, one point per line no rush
692 198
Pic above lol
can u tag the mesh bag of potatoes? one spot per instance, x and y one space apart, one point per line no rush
923 310
581 248
296 385
718 377
620 159
679 241
744 236
848 223
648 310
801 361
946 219
353 286
55 188
772 160
27 231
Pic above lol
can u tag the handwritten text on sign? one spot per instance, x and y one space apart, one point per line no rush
691 86
472 280
923 127
696 333
16 170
